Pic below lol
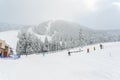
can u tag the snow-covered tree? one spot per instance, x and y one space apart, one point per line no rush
46 44
82 38
22 43
28 44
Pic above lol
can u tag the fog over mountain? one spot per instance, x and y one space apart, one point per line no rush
96 14
6 27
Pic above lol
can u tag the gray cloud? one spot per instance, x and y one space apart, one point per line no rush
106 18
96 14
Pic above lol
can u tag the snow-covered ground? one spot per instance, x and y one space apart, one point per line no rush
96 65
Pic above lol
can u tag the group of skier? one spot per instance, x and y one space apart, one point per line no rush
94 48
101 47
88 50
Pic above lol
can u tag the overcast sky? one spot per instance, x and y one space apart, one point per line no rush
96 14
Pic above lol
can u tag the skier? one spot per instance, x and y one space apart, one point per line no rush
87 50
94 48
69 53
1 54
101 46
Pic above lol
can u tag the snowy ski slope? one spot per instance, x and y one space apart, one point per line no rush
96 65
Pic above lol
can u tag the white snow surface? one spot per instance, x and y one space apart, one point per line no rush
96 65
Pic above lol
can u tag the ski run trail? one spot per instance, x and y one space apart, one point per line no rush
97 65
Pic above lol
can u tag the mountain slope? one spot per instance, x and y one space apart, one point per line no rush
96 65
59 27
64 30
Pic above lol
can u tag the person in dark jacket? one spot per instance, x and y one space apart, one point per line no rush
88 50
69 54
0 54
101 46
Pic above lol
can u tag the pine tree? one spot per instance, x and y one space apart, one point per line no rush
46 44
22 43
81 38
